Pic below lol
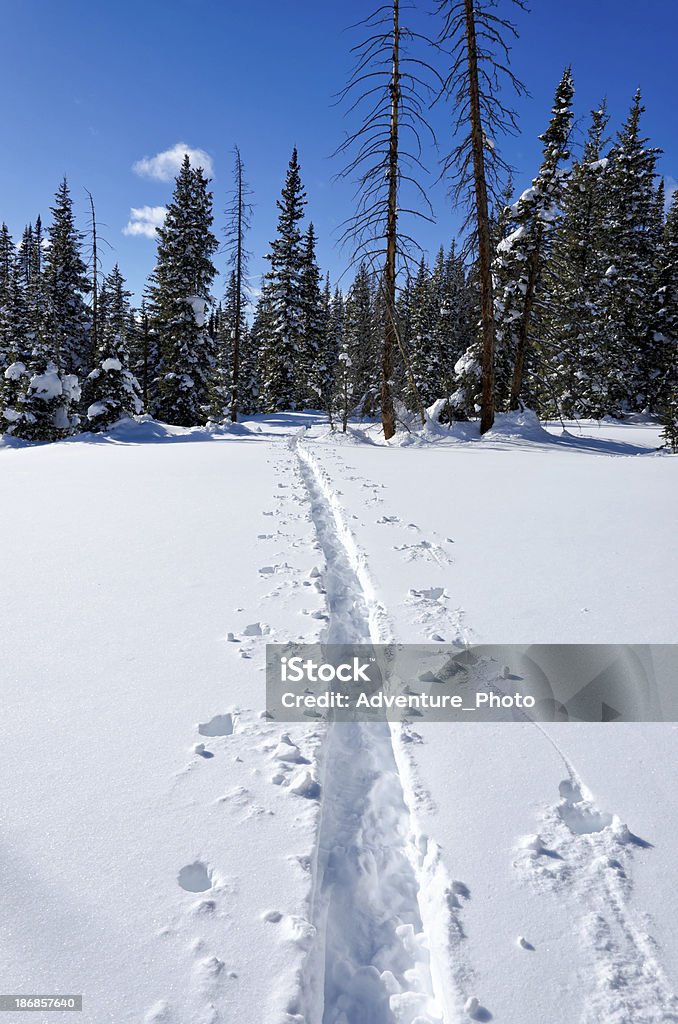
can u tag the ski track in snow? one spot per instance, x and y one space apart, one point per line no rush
371 963
385 941
370 788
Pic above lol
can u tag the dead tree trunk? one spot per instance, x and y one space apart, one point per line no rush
390 338
483 222
235 368
94 338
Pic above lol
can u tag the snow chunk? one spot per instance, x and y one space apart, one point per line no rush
111 364
47 385
303 784
198 305
15 371
97 409
220 725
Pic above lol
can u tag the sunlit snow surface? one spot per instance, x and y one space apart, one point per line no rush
177 857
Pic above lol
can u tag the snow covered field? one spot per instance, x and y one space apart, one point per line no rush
179 859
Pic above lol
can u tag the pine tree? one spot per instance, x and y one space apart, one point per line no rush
144 356
13 358
574 284
10 325
111 392
282 335
421 342
47 402
315 363
180 294
41 398
632 234
521 257
361 345
667 324
67 317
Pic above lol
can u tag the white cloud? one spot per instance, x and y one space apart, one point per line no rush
166 165
671 186
143 220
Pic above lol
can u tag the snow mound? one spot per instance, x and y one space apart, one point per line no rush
523 425
145 429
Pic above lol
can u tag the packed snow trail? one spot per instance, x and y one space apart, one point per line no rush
372 961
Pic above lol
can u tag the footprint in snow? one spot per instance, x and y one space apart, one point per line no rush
159 1013
202 751
429 594
195 877
476 1011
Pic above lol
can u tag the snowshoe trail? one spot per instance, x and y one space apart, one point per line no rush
586 855
371 960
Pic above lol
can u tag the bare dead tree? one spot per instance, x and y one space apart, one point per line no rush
385 87
475 38
94 338
239 220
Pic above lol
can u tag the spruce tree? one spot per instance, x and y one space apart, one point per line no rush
13 357
46 408
632 234
180 294
421 342
111 392
574 283
521 257
145 356
362 342
315 362
282 336
66 284
667 325
41 397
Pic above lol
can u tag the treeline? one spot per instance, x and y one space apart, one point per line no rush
585 277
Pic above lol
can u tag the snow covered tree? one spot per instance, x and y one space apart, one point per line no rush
111 392
41 399
667 324
145 356
32 284
66 283
315 364
421 342
281 334
361 343
573 285
11 324
180 294
632 235
12 329
335 336
521 257
47 402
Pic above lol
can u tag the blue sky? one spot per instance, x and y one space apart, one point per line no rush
89 90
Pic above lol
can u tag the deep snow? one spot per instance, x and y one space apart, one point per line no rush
176 857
